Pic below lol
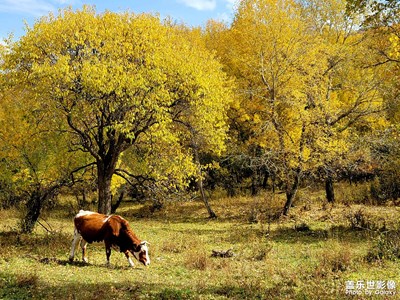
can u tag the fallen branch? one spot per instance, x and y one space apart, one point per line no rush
221 253
48 230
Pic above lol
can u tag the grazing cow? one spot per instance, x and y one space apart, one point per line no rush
113 230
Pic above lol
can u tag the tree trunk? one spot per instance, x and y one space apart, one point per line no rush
115 206
200 186
289 200
230 188
104 176
211 213
273 184
330 193
291 191
34 207
265 180
254 189
82 203
35 204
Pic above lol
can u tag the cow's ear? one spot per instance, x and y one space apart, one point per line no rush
115 225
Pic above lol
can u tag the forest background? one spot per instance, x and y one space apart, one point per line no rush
291 94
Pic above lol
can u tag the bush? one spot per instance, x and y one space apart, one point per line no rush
354 193
386 247
359 220
29 280
386 187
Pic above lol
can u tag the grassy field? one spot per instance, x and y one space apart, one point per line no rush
312 254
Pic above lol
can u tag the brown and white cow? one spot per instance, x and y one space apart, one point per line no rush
113 230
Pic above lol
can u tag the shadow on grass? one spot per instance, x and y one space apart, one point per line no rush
81 264
62 262
31 287
21 240
294 235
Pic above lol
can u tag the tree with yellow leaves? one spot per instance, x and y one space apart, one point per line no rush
382 30
351 106
275 61
121 81
305 93
34 155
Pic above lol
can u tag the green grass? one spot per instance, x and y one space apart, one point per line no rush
308 255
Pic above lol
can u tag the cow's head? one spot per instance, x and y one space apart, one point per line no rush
141 253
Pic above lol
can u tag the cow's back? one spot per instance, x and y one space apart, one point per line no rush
91 226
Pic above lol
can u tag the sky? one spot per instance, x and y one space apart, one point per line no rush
15 13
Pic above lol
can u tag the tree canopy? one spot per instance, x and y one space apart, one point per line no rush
306 89
121 80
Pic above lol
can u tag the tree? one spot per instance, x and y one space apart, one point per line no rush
375 12
276 63
385 145
34 155
382 28
121 81
352 107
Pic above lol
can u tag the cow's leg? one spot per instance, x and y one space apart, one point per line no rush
108 253
129 259
77 237
83 246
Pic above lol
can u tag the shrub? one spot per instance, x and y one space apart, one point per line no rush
359 220
174 245
386 187
353 193
386 247
256 251
180 243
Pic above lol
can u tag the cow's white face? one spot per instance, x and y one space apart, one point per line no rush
143 254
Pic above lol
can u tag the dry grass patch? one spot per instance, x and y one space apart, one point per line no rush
197 259
334 258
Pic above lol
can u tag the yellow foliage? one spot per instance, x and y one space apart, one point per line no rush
121 80
305 91
394 50
116 183
33 153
